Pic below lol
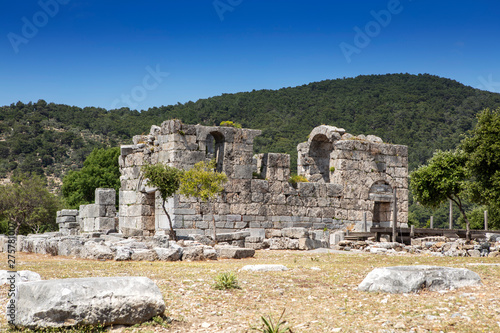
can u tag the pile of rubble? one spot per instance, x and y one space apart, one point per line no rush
99 246
434 246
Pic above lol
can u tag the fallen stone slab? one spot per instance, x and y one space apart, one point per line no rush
227 237
89 301
20 276
235 252
407 279
264 268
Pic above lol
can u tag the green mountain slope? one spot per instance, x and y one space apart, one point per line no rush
424 112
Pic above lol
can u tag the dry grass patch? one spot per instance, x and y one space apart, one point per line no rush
318 292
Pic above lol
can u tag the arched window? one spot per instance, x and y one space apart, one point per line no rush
320 150
215 149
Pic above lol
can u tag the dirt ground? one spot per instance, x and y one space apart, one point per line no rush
318 293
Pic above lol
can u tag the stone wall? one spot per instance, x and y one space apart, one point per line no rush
100 216
347 175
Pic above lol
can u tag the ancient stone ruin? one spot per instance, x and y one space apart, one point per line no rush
348 176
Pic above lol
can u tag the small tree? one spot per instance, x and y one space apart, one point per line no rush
444 177
166 179
204 183
100 169
28 204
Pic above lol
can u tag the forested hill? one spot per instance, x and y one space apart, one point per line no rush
424 112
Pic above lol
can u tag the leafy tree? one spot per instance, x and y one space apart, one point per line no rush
100 169
204 183
28 204
444 177
167 180
483 149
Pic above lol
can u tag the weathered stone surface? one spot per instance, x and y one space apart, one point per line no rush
143 255
235 252
264 268
295 232
192 253
123 253
68 302
226 237
92 250
19 276
172 253
406 279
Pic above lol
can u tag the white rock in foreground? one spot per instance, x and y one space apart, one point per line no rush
21 276
68 302
406 279
264 268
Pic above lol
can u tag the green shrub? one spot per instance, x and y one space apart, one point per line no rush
226 280
332 169
229 123
294 179
269 326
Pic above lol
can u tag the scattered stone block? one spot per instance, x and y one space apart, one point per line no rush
235 252
406 279
172 253
89 301
264 268
296 233
143 255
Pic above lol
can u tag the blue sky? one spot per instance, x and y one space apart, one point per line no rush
151 53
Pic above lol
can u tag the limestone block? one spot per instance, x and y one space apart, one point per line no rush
306 189
127 149
242 172
67 212
92 250
105 196
406 279
104 223
295 233
65 219
90 301
127 197
172 253
88 224
259 186
235 252
143 255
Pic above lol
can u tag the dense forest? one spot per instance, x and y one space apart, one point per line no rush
424 112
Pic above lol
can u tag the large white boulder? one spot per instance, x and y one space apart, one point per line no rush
19 276
406 279
68 302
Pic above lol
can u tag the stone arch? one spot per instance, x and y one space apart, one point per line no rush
381 195
215 142
320 150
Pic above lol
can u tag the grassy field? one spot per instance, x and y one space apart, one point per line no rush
318 292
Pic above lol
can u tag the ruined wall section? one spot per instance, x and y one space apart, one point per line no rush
369 171
347 175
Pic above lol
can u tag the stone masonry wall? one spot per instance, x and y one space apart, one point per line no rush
348 176
101 215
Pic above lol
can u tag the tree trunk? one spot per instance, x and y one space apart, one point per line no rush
467 223
213 223
173 236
